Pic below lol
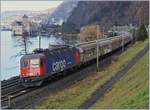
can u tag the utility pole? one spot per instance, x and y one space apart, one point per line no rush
103 32
39 41
39 33
97 48
122 42
113 32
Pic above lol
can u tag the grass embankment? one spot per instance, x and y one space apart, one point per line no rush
74 95
131 91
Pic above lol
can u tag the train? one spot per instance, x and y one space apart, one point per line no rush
42 64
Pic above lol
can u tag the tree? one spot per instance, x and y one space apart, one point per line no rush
142 33
69 27
89 33
23 43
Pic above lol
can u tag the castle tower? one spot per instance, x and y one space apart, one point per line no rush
26 24
25 18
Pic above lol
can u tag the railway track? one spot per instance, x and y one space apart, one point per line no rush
10 83
15 94
5 97
3 82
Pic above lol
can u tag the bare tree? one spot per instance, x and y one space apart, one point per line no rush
89 33
23 42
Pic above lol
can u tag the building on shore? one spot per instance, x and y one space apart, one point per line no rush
17 28
24 27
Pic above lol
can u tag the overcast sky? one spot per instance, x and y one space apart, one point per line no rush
28 5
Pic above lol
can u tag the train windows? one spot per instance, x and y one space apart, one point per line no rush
35 63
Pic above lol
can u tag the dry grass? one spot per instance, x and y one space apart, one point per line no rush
131 91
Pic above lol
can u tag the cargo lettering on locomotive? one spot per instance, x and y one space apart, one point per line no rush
59 65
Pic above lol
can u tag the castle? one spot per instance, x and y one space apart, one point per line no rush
24 27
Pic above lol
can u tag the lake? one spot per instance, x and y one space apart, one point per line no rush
10 63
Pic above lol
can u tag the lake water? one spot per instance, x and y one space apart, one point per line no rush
10 64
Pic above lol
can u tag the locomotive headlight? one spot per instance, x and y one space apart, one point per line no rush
31 74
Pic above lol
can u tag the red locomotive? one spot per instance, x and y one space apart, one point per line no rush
41 65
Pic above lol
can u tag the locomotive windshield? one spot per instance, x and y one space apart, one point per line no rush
35 63
24 63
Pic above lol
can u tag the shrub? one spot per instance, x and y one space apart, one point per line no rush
89 33
142 33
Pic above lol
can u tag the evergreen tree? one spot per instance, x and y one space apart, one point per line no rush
142 33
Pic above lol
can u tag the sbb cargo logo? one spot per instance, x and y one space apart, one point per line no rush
59 65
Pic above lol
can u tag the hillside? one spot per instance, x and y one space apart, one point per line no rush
131 92
108 13
62 12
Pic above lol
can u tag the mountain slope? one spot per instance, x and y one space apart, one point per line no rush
108 13
62 12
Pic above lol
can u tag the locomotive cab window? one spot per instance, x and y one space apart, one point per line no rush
24 63
35 63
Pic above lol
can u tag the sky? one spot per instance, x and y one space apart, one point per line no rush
28 5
